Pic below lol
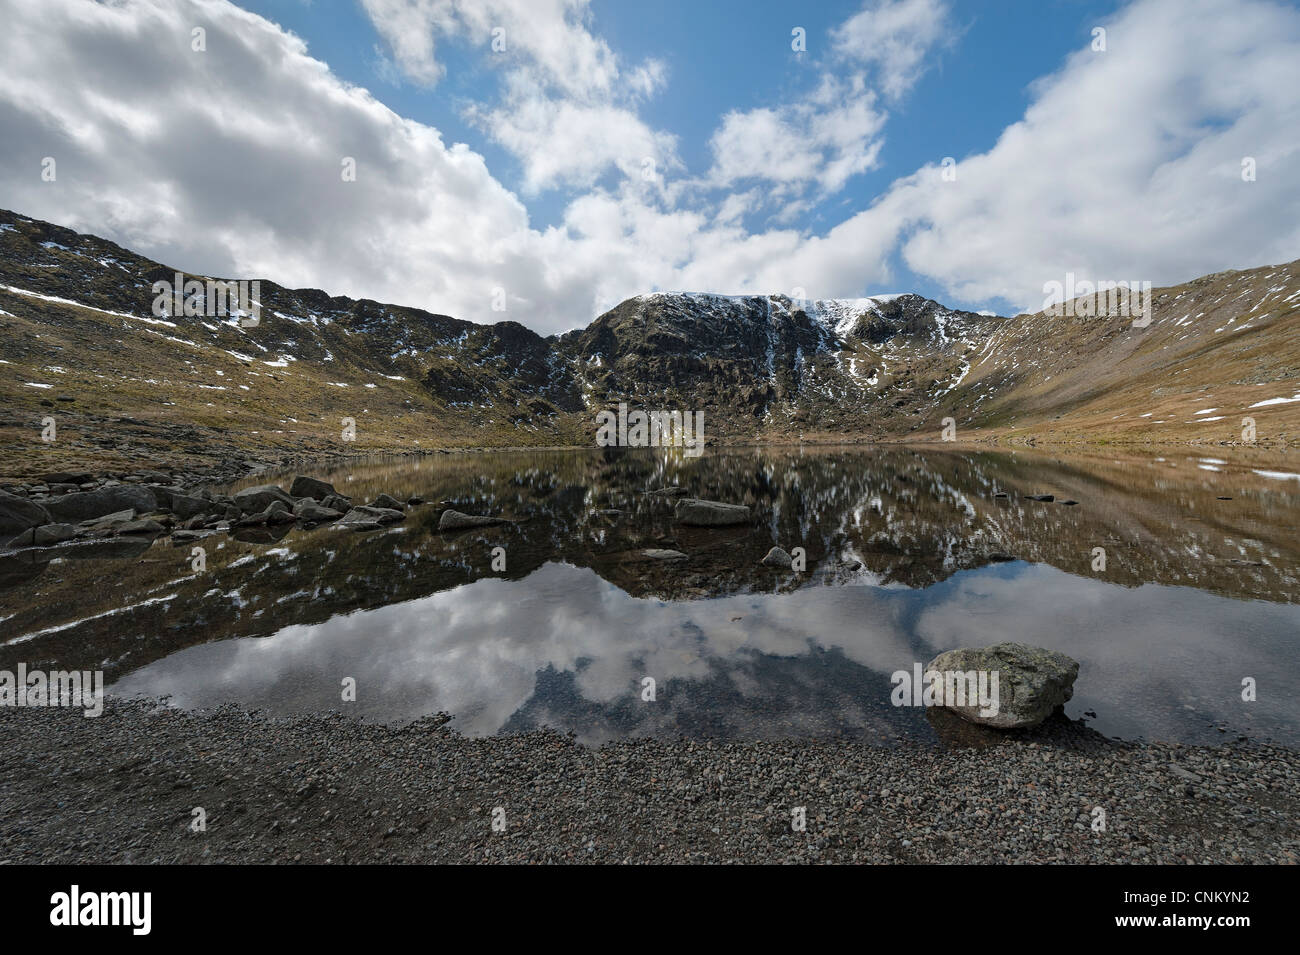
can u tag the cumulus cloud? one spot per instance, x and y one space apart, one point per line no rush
896 38
1126 164
823 139
561 85
229 161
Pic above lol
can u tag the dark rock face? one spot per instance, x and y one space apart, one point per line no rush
734 355
18 513
88 505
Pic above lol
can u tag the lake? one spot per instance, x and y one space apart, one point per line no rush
559 618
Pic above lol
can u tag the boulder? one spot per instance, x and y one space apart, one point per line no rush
89 505
48 534
142 526
182 505
388 501
776 557
18 513
277 512
1032 682
110 520
304 486
255 500
337 502
456 521
309 510
661 553
710 513
364 514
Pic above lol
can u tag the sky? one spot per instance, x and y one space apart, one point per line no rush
542 160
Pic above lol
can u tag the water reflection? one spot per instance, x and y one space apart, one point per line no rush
906 558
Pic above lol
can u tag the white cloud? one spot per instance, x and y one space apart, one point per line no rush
229 161
823 139
1126 165
567 106
896 37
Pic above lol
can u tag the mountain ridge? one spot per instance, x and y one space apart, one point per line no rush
77 322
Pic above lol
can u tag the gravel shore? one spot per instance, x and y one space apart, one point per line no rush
122 788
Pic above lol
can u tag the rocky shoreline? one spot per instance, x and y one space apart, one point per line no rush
123 788
70 508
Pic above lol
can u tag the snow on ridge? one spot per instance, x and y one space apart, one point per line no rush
103 311
841 314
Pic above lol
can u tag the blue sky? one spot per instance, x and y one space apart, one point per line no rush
512 184
729 56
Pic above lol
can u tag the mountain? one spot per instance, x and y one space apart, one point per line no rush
80 343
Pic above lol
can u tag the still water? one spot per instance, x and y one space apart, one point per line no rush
909 553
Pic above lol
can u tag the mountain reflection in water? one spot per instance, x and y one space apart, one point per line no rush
908 555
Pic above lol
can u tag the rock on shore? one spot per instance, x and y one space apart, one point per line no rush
1032 682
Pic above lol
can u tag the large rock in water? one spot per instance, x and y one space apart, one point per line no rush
456 521
1032 681
777 557
364 514
88 505
18 513
254 500
711 513
304 486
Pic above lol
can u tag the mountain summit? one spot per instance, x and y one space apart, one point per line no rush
81 344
